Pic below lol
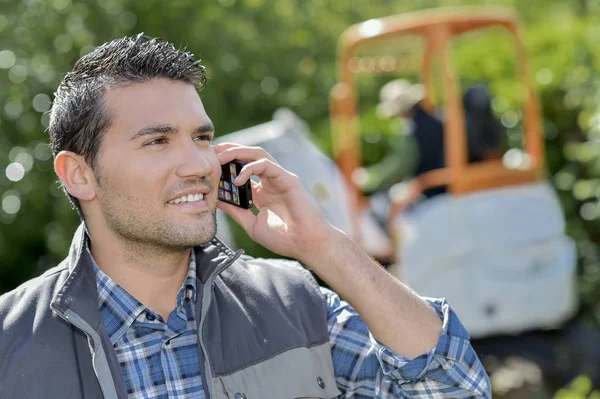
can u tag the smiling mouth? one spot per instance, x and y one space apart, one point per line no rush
187 198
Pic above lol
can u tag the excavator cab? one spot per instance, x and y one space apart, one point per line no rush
494 243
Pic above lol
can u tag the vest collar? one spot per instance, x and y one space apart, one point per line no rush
79 291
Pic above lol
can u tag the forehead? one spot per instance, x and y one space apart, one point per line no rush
155 102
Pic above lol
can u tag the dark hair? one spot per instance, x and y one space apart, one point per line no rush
78 118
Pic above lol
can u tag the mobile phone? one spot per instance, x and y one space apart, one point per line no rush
228 192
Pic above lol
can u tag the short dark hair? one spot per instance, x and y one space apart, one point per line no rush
78 118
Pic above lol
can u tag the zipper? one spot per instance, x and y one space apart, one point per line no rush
206 296
99 361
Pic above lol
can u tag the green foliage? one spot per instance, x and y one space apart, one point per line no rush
580 388
263 54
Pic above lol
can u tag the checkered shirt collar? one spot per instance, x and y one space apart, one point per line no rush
124 307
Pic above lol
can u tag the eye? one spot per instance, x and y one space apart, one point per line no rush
157 141
203 137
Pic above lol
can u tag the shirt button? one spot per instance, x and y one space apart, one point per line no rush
321 382
150 316
240 396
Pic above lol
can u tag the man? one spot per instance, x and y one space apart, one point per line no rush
422 148
150 304
414 153
419 149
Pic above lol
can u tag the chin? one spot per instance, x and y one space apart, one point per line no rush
191 238
195 235
204 237
178 234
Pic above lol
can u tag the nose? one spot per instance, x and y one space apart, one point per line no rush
194 161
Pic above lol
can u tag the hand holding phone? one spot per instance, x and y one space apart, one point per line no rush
228 192
289 222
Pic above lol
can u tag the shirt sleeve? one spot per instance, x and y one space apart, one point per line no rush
400 164
365 368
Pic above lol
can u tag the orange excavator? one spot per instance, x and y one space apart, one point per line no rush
494 244
499 228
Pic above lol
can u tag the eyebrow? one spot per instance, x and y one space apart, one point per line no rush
169 129
206 128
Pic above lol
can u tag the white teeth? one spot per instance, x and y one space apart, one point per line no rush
188 198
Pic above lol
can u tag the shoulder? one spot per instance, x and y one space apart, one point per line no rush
33 296
274 271
34 339
264 278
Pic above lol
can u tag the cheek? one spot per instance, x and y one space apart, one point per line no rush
215 166
136 177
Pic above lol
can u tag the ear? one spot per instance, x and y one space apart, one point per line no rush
76 175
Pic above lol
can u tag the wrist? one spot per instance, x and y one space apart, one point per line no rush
327 247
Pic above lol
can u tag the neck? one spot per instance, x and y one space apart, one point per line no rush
152 275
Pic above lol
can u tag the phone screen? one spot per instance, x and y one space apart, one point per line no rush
229 192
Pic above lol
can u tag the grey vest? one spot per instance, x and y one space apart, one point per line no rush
262 331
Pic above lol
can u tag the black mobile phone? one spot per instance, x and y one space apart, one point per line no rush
228 192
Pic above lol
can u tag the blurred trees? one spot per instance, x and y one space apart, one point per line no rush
263 54
580 388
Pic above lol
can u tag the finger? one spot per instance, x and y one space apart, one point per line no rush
256 187
244 154
219 148
243 217
261 168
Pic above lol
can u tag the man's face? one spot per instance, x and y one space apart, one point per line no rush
157 173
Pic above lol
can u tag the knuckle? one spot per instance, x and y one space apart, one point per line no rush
263 153
258 149
262 162
295 177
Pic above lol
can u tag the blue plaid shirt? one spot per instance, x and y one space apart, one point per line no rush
159 359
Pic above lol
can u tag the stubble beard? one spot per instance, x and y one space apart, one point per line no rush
162 234
152 229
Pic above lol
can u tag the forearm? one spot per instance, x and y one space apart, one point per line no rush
394 314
